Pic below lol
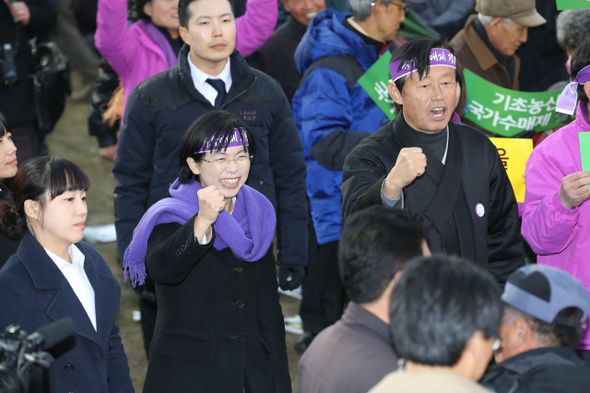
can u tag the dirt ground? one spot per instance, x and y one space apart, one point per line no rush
70 139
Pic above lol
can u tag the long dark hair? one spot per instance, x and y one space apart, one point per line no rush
6 204
34 179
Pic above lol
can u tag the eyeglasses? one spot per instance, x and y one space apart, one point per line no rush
497 343
403 7
222 162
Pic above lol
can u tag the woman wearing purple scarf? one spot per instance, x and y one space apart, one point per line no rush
208 248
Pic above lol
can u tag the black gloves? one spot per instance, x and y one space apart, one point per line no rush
290 276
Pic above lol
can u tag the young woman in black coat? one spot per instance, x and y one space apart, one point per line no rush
55 275
9 238
208 248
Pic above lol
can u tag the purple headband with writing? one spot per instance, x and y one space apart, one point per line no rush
237 138
569 96
438 57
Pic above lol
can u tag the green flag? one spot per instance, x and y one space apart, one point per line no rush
509 112
572 4
375 82
584 138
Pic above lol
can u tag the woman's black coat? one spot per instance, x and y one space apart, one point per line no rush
219 318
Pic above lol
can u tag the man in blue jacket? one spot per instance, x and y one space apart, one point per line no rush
210 75
333 113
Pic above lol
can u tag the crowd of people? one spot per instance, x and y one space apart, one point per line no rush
238 147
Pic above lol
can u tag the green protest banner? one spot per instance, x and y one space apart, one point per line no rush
508 112
375 82
585 151
572 4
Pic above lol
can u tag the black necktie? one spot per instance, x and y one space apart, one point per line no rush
220 87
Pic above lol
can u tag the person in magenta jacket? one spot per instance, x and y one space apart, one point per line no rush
143 49
556 218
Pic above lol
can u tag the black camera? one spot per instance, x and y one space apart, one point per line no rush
24 367
8 73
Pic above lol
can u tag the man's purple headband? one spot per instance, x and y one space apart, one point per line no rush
569 96
438 57
237 138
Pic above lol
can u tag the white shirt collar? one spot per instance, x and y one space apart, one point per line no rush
200 78
75 255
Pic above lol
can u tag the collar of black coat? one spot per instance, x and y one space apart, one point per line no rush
174 87
175 43
296 25
240 72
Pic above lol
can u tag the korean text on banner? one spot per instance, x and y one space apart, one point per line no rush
514 153
508 112
375 82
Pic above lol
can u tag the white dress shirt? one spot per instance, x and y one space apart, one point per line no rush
200 80
76 276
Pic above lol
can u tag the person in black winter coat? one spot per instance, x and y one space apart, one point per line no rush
21 21
54 275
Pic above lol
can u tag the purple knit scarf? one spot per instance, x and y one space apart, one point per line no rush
161 41
248 231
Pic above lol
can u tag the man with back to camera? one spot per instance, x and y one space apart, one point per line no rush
544 312
355 353
487 43
556 207
444 315
211 75
448 172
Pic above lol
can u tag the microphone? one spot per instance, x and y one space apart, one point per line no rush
47 336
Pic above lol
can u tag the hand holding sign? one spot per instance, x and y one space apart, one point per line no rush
410 163
574 189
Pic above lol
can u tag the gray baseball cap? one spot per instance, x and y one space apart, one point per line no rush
522 12
543 291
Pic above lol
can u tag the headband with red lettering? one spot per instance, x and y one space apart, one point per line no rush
235 138
438 57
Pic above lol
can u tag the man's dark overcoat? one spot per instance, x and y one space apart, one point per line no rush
469 201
